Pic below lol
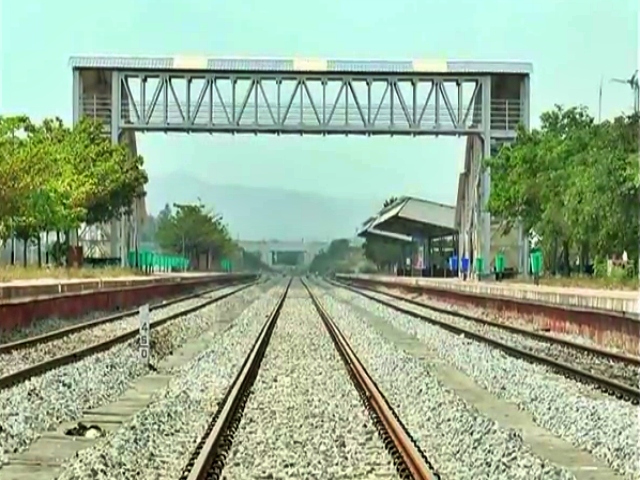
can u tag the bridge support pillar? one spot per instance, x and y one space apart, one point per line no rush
121 224
483 234
525 94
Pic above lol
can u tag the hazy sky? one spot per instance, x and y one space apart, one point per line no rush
571 43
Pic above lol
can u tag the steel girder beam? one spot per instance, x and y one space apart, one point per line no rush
322 97
305 103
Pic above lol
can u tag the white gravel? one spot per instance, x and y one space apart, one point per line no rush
50 324
528 322
60 395
25 357
460 442
157 442
593 363
304 418
601 425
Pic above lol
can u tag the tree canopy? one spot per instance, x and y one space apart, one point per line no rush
252 262
339 257
383 253
55 178
575 183
192 230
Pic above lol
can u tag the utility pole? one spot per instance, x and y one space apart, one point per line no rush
600 101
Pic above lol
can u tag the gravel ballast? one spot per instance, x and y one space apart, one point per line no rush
304 418
43 402
161 437
460 442
25 357
601 425
619 371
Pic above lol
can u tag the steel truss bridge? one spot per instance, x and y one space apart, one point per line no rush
481 100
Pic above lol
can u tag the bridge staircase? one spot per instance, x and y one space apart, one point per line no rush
105 240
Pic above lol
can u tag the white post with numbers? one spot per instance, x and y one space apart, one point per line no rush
144 334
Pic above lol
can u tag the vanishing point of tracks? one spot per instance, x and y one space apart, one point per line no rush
52 359
613 373
208 459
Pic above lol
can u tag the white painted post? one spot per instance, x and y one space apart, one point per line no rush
144 334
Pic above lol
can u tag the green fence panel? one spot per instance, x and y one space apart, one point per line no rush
150 261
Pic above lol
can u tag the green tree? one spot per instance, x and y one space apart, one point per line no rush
575 183
55 178
339 257
192 230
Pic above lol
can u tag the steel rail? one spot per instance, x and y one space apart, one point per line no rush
609 386
610 355
410 461
63 332
210 454
31 371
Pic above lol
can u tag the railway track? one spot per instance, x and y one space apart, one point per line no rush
209 458
21 364
613 373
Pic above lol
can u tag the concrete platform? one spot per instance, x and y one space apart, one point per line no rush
26 302
570 311
589 299
38 287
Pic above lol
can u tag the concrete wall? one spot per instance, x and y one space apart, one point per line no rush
265 247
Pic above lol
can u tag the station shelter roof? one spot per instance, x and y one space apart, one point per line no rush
413 217
393 237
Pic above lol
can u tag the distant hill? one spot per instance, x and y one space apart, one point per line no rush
265 213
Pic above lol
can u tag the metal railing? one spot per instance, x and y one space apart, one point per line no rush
505 115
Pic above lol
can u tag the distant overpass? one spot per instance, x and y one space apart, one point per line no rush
266 249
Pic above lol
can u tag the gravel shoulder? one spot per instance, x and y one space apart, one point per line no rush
63 394
509 318
47 325
602 426
156 442
622 372
304 418
25 357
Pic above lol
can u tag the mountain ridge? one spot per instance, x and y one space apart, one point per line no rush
260 213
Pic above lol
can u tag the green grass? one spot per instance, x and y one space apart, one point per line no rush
604 283
12 273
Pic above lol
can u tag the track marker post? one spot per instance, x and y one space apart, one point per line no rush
144 334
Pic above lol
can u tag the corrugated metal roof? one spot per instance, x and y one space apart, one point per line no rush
430 213
381 233
248 64
416 210
364 66
470 66
124 62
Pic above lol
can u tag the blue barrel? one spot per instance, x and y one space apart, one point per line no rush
465 264
453 263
